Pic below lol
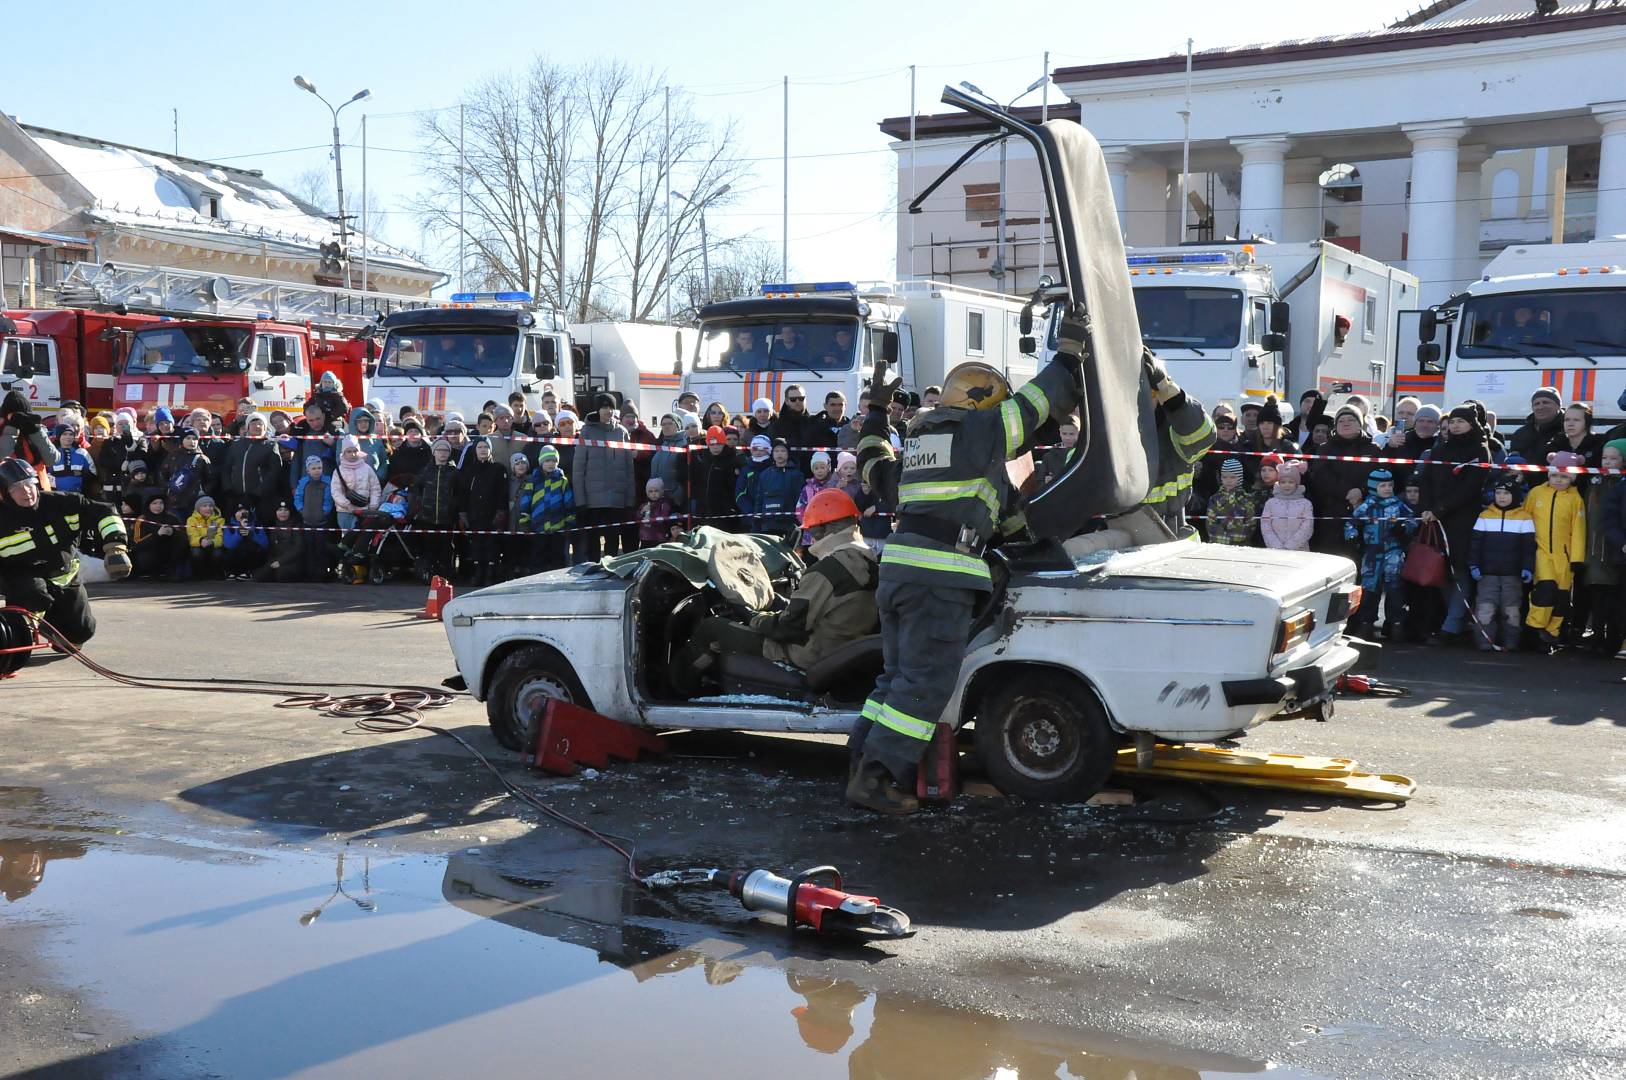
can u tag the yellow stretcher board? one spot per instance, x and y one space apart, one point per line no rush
1337 777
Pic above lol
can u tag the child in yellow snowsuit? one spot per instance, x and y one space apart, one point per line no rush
1560 516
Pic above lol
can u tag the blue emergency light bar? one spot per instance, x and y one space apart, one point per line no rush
809 287
1194 258
513 297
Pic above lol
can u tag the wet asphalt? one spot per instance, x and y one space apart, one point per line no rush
207 885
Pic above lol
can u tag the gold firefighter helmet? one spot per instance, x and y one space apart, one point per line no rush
973 385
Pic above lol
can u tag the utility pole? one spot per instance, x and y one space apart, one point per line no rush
462 185
338 163
784 221
175 124
365 223
666 170
1185 150
914 179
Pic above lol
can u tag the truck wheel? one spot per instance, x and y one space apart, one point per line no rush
523 680
1046 737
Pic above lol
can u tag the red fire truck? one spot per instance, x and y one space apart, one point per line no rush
215 339
64 354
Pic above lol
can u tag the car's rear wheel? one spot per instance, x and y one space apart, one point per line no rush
1045 736
524 680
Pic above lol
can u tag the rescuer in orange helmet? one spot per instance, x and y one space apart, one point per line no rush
833 605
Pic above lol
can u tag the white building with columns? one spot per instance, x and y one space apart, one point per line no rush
1471 125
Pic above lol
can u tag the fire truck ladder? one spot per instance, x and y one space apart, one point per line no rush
167 290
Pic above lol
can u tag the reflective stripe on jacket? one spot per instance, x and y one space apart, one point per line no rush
953 470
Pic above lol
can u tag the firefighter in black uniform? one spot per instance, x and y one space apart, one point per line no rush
952 494
39 549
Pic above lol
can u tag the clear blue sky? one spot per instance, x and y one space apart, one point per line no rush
108 70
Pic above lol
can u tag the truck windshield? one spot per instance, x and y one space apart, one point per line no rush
447 351
769 344
1568 322
1181 318
187 350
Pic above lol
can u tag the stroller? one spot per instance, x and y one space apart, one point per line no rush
382 545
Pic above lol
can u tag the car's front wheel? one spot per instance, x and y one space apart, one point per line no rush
523 682
1046 737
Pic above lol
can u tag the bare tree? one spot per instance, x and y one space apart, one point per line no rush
738 268
314 187
563 185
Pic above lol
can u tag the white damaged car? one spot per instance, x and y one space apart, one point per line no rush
1083 647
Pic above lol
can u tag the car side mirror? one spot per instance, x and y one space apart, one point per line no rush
276 369
1274 342
547 371
1281 317
24 368
279 350
677 352
1428 358
889 346
1428 321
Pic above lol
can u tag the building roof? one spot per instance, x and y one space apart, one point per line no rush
1407 34
1426 12
941 125
152 190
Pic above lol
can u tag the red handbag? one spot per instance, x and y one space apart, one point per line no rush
1425 564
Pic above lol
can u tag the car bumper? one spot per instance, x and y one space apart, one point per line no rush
1298 690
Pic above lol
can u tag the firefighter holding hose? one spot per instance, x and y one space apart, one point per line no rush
39 549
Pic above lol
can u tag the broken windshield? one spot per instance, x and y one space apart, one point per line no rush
187 350
768 344
447 351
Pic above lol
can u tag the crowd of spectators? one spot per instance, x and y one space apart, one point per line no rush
1536 556
1535 549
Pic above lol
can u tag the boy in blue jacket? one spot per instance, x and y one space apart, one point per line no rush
548 510
774 491
313 501
1383 523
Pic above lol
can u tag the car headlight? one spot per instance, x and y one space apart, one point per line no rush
1294 631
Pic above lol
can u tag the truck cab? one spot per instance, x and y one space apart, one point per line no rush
480 347
1542 315
1211 316
826 336
59 354
184 364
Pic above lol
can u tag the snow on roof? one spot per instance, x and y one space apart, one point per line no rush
147 189
1575 15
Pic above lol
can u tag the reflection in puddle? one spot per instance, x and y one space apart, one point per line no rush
426 967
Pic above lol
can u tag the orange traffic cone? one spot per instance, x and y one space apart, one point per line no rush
440 594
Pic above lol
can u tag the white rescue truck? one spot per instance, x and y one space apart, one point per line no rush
1542 315
1238 321
479 347
827 335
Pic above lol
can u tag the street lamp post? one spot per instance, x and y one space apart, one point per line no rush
338 163
705 248
998 269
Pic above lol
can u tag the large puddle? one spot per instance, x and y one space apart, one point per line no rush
495 961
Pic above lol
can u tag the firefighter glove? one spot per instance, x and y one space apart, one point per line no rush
881 388
116 558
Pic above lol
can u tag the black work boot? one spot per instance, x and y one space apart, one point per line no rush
873 788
